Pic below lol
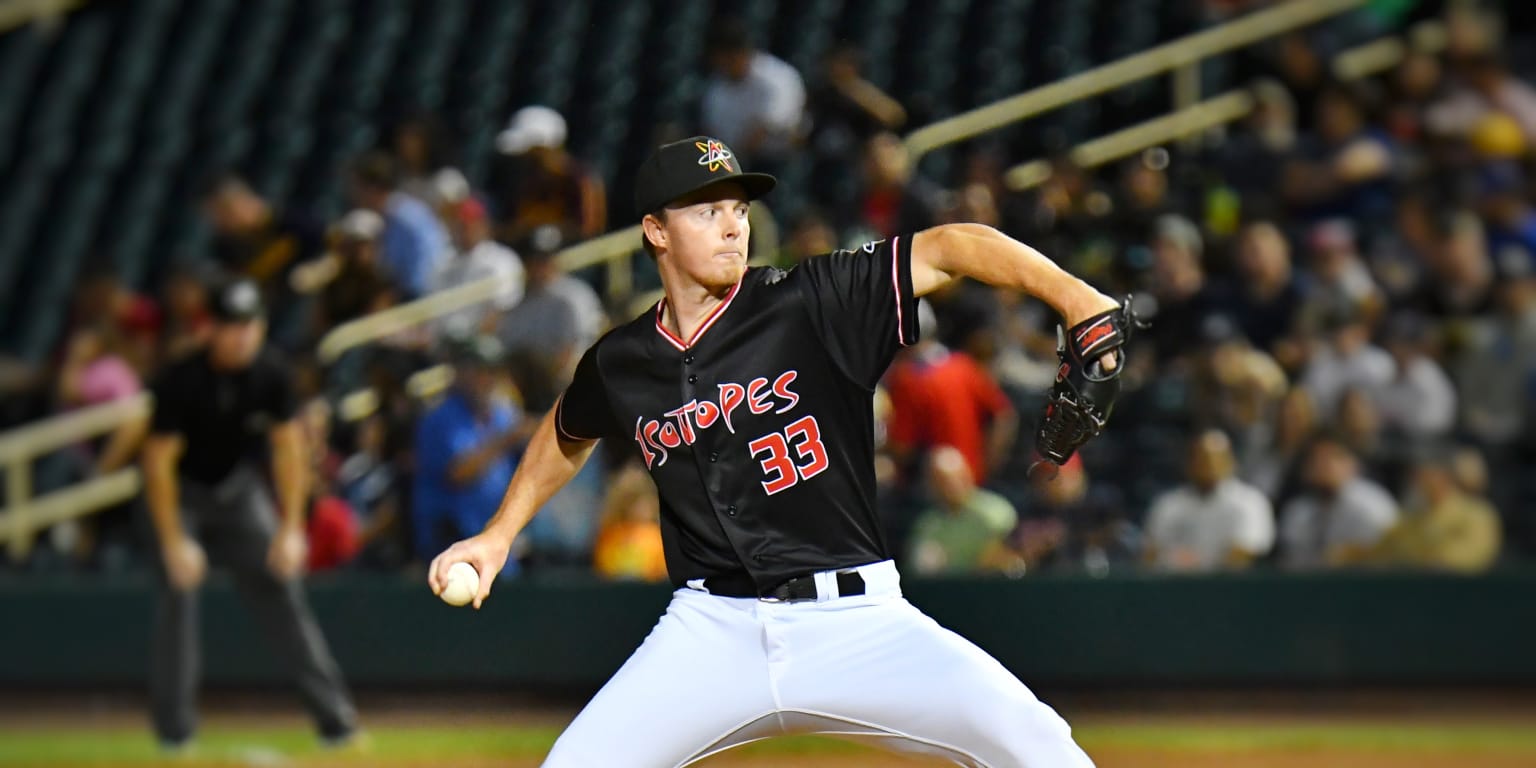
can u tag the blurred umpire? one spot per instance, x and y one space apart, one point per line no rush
215 413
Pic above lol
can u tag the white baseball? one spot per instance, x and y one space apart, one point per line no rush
463 584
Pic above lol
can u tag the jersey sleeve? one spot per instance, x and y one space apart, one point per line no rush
861 304
583 412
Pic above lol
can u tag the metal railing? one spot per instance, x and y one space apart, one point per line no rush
23 515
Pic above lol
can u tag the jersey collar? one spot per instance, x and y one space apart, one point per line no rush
683 346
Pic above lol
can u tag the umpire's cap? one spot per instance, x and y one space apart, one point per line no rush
237 300
686 166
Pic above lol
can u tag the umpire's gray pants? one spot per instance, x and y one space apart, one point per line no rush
235 522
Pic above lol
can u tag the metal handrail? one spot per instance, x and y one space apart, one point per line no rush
1185 52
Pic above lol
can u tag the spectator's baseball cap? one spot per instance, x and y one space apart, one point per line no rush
532 127
360 224
237 301
687 166
469 210
480 351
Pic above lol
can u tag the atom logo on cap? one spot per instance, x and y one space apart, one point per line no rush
715 156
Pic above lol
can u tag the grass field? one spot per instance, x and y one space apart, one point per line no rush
1114 742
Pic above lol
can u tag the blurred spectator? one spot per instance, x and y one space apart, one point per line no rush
1143 197
753 101
847 110
629 540
1459 278
1071 524
1345 359
1495 367
944 398
967 525
1213 522
367 481
103 304
1182 298
558 317
1253 160
1482 86
1358 425
895 198
1399 254
466 450
1511 222
809 236
349 278
1345 167
254 239
1340 517
537 183
1419 401
332 527
1416 83
476 257
1443 526
95 371
413 241
419 144
188 323
1268 295
1338 280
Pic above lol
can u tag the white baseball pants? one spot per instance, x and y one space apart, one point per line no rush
717 672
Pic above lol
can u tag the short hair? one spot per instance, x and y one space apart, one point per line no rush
730 35
223 182
377 170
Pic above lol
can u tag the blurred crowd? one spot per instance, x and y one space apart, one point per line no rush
1340 370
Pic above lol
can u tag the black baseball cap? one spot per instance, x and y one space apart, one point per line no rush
687 166
237 301
476 350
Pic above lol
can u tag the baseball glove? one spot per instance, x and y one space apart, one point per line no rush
1084 394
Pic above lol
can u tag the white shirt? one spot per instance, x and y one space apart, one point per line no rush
488 259
1330 374
1312 527
1191 531
1420 401
771 95
590 317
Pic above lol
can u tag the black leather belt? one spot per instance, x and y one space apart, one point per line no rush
798 589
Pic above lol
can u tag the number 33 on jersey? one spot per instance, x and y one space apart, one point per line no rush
759 430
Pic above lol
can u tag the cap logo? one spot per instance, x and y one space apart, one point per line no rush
714 156
243 298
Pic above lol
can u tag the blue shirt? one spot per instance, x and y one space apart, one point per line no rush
443 436
413 242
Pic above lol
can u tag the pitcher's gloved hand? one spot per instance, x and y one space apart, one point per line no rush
1085 391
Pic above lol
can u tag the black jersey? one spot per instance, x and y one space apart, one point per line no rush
759 431
224 416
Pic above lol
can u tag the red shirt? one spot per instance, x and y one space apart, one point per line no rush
944 398
333 534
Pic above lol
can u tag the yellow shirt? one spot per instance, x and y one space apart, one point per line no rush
1461 533
630 550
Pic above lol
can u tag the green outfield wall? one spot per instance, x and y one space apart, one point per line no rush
1252 629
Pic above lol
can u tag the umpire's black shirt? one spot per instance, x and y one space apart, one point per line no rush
759 431
223 415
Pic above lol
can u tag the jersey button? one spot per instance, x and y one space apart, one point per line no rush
731 510
714 456
692 379
688 359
